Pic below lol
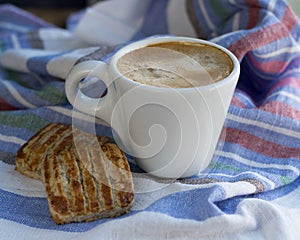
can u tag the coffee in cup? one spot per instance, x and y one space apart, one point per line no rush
176 64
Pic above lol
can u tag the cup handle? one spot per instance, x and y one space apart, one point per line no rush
100 107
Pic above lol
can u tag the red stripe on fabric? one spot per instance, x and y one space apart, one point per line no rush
260 145
5 106
265 35
281 109
258 39
290 82
236 102
253 13
275 66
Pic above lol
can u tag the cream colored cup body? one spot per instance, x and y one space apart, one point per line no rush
171 132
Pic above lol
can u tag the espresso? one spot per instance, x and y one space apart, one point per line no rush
176 64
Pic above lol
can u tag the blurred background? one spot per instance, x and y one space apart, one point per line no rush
57 11
296 6
54 11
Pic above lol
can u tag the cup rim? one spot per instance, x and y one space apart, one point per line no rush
161 39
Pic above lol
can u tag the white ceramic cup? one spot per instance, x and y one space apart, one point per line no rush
170 132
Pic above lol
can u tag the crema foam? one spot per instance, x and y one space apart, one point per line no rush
176 65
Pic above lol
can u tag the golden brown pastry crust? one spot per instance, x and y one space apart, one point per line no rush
30 155
85 176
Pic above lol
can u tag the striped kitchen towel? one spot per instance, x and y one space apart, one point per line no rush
251 188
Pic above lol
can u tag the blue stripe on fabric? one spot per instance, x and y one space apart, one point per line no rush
18 132
261 116
284 56
255 158
155 21
34 212
9 147
38 64
198 204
